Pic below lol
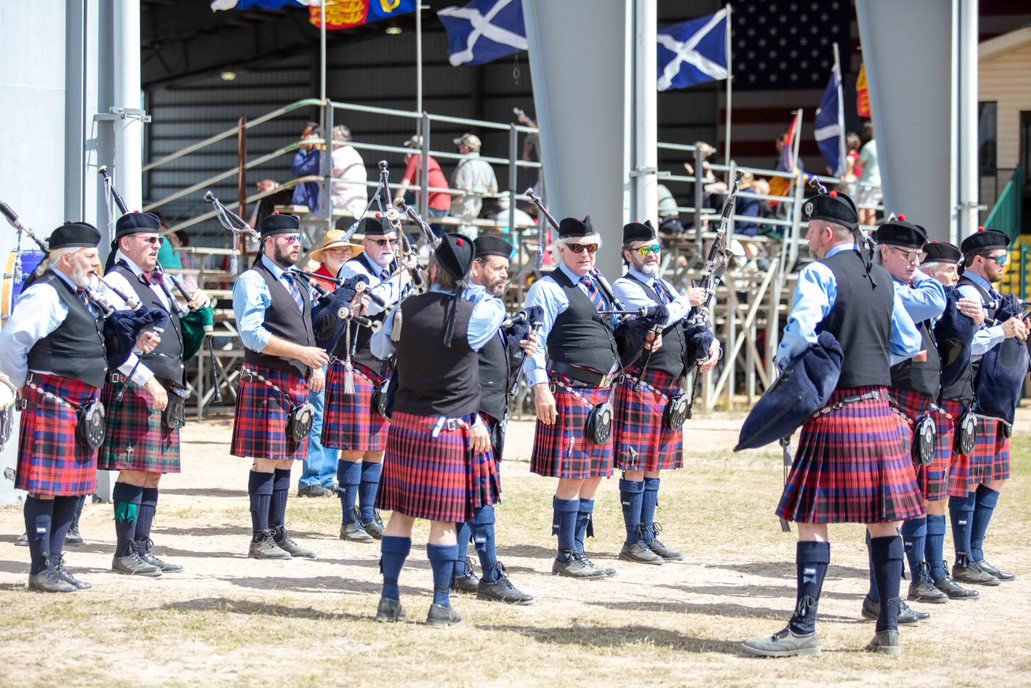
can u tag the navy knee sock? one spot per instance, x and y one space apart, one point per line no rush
127 500
349 477
60 524
78 511
887 558
148 509
648 505
393 552
811 561
367 490
872 592
631 498
914 539
961 513
39 515
442 560
486 542
465 534
986 500
280 493
584 525
566 511
259 487
935 549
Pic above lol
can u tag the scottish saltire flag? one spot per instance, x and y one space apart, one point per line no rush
693 52
217 5
830 124
483 31
345 14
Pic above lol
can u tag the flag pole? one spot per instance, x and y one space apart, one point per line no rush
418 62
730 87
322 54
840 172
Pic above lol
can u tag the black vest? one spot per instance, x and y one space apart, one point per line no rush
963 388
579 336
283 320
434 380
166 361
923 377
494 370
76 348
860 319
670 356
361 337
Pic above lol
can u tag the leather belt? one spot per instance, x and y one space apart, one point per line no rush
855 398
585 375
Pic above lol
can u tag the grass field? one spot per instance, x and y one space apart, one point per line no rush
230 620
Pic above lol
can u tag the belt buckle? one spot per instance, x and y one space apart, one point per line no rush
116 378
451 424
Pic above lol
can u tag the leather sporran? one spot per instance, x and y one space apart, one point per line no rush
675 412
966 433
89 427
599 423
924 439
298 426
174 415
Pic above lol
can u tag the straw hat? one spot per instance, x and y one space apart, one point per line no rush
334 238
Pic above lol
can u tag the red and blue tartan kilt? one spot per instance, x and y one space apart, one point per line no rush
959 464
259 428
932 478
852 465
436 478
50 461
349 421
562 450
637 424
136 438
991 458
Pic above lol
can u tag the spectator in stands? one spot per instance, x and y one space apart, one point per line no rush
267 205
439 201
783 156
852 166
522 219
473 176
749 204
350 195
176 241
669 216
868 193
307 164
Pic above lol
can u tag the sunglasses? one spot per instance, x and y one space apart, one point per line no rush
645 250
153 240
291 238
384 242
998 260
580 248
910 256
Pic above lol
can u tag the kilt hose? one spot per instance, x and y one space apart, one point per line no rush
991 458
640 441
562 450
852 465
430 472
50 461
136 439
349 422
932 478
959 464
259 427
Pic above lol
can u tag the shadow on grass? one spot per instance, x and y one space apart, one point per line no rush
786 570
321 584
738 611
618 636
224 604
772 591
204 492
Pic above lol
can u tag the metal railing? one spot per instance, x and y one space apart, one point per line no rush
1005 214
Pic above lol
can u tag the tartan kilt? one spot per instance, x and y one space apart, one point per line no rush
349 421
637 423
959 464
852 465
561 450
932 478
991 458
50 461
136 439
435 478
259 427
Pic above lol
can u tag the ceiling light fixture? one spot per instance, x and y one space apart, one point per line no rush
393 30
228 75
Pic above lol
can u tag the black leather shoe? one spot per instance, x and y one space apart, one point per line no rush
73 537
390 611
967 571
468 581
574 565
132 565
67 575
640 552
288 544
314 490
907 615
922 589
375 527
995 571
954 590
502 590
49 580
662 550
886 643
439 615
265 548
354 532
23 540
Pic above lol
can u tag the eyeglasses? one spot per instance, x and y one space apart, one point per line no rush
384 242
580 248
290 238
910 256
645 250
1001 259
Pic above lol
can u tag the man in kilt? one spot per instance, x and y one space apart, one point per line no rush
642 444
273 312
438 464
139 443
852 464
582 364
53 348
985 254
351 422
498 362
941 263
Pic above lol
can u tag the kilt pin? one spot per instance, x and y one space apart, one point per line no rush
50 460
137 439
991 458
852 465
640 440
932 478
430 472
259 426
562 449
349 421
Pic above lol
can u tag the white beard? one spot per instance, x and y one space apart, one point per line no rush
650 269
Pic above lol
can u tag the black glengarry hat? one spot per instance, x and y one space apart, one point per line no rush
983 240
899 232
942 252
371 227
832 207
492 246
571 227
279 224
136 223
638 231
74 235
455 254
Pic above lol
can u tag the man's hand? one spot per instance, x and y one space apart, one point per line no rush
318 380
313 357
696 296
972 309
479 438
155 390
1015 327
544 403
148 341
199 300
529 345
712 359
653 341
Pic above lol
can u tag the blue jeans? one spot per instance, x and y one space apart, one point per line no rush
437 228
321 466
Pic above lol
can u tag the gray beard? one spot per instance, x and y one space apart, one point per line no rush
650 269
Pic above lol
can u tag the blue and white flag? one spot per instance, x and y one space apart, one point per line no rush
483 31
830 124
217 5
693 52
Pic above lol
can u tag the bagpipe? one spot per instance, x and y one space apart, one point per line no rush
517 328
1003 370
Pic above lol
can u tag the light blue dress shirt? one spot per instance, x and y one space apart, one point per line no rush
251 298
923 297
632 294
988 335
389 290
